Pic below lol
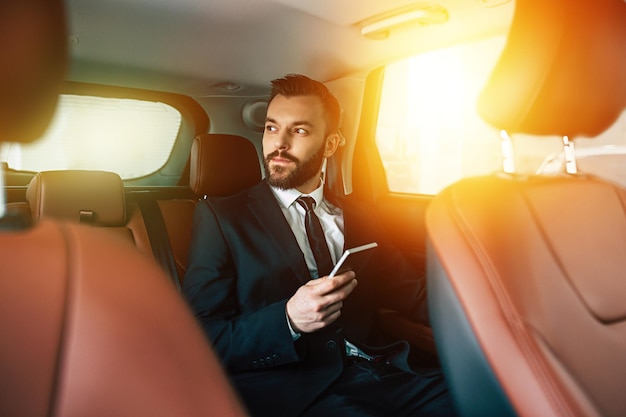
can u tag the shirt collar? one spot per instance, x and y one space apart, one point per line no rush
287 197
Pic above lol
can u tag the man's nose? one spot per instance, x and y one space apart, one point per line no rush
282 140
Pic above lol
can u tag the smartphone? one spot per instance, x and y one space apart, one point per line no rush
353 258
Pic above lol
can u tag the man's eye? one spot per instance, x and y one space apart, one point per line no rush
301 131
270 128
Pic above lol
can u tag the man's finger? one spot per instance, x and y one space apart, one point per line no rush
327 285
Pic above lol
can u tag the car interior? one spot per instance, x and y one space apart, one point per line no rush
526 287
119 116
79 336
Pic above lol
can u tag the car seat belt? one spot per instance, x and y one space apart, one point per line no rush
159 239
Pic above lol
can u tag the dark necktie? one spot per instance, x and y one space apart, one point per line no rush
315 234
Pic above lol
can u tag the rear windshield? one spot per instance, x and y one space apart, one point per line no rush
131 137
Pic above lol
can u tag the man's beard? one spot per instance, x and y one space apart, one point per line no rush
302 172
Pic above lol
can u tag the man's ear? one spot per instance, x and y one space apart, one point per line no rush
332 143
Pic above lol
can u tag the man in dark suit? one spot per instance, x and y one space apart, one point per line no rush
294 341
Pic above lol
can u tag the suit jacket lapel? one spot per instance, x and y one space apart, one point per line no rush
265 208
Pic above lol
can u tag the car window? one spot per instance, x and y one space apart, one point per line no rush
128 136
429 133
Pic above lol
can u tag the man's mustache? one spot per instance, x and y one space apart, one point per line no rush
282 154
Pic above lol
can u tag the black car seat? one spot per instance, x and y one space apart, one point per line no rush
89 326
526 274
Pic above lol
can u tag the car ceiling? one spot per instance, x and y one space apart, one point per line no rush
234 47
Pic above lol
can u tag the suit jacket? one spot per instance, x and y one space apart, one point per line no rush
244 264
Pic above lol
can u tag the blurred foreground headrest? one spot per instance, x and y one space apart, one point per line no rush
33 55
562 71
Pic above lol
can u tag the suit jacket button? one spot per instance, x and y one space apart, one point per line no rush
331 345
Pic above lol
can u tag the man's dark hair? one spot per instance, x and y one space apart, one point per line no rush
300 85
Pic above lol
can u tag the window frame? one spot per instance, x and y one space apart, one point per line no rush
376 81
369 179
174 172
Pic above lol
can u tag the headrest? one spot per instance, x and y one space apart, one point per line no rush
223 164
93 197
562 71
33 50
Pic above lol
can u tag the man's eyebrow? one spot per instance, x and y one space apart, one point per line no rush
302 123
296 123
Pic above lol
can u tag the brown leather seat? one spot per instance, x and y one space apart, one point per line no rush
89 326
223 164
94 197
91 197
526 275
220 164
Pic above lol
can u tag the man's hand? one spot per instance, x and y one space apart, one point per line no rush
318 303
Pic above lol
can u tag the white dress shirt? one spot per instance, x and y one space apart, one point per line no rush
331 218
